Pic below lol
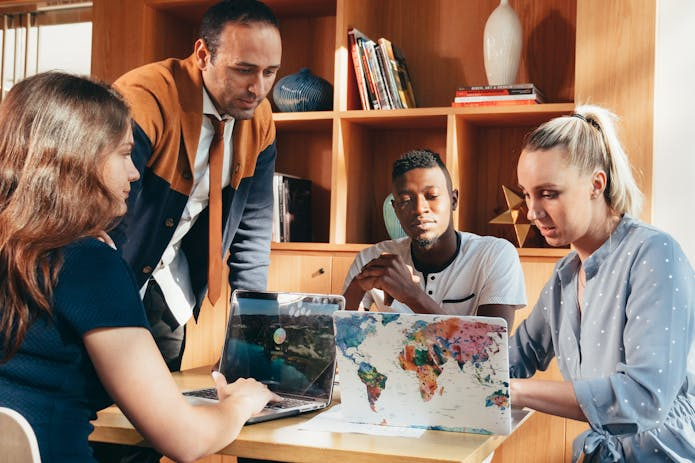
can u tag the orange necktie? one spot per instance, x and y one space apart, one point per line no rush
216 156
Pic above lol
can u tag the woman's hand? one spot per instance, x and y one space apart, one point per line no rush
252 394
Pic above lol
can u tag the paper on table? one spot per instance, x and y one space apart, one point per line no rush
333 420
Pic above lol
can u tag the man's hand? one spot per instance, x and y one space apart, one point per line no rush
394 277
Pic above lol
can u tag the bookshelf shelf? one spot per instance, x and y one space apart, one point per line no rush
398 118
306 121
512 116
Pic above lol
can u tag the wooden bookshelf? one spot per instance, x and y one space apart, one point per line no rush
348 152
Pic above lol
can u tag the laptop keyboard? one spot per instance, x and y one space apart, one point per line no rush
211 393
286 403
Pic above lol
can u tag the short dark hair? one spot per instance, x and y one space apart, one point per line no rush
419 159
235 11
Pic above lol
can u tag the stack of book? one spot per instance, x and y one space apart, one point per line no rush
291 208
381 71
498 95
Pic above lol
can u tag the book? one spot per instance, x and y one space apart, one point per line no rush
375 75
381 73
473 99
387 74
494 103
396 71
491 90
404 76
277 181
292 208
371 89
498 87
508 91
357 61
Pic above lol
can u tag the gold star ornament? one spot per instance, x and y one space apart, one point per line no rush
514 215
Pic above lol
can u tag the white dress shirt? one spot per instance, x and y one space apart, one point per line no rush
172 273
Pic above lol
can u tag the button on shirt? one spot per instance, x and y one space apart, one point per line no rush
172 273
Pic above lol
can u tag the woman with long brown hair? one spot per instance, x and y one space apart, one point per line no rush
73 333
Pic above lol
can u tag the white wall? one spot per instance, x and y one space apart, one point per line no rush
673 207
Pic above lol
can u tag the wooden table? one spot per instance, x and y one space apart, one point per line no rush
281 440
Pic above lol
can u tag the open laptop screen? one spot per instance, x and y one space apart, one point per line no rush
285 340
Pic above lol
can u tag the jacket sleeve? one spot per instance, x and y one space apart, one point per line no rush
142 151
250 248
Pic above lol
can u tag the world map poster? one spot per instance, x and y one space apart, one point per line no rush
438 372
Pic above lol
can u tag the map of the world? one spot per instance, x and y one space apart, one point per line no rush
438 372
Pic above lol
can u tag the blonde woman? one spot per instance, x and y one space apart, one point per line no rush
618 312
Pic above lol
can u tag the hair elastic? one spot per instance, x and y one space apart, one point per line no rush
591 122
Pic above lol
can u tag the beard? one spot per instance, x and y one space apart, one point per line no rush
426 242
241 114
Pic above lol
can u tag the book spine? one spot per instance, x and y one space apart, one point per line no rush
474 99
498 87
359 72
400 85
286 216
389 79
371 89
501 91
277 179
405 76
494 103
375 75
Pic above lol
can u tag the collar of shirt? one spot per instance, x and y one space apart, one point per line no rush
210 109
599 256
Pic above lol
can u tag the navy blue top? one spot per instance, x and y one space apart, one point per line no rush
51 379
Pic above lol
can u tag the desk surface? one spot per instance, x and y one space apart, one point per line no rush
281 440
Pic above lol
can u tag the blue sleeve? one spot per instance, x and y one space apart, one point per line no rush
531 347
96 289
657 339
142 151
250 248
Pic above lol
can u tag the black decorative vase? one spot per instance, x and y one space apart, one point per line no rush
303 91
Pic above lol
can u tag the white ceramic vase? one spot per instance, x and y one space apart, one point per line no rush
502 45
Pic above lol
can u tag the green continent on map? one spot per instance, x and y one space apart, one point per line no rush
428 346
375 382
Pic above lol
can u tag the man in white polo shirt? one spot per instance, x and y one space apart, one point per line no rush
434 269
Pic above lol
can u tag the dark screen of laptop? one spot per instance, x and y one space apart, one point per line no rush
288 344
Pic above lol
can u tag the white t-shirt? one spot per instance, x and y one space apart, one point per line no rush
485 271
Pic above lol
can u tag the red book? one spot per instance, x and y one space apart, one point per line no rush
494 103
499 90
358 66
475 99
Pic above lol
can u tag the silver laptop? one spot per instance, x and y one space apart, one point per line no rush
285 340
428 371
